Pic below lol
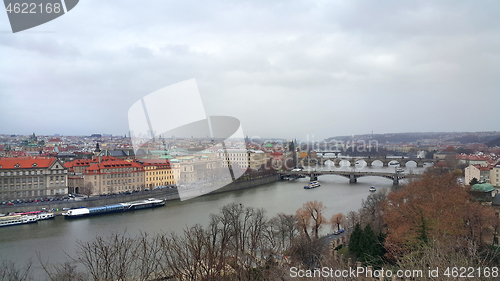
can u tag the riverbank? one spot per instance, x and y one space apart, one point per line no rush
165 194
237 185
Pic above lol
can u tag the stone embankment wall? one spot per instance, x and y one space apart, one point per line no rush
237 185
167 194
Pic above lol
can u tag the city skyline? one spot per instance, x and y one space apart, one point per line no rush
284 69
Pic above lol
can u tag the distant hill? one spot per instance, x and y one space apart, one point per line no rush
462 137
493 143
475 139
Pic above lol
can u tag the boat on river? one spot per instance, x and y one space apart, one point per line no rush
373 189
17 219
311 185
120 207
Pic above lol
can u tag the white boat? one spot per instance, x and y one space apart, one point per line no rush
17 219
400 170
46 216
120 207
312 184
372 188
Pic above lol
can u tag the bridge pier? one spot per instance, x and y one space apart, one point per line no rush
368 163
352 179
420 164
385 164
402 163
313 177
395 180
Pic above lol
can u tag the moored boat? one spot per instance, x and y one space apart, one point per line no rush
373 189
17 219
40 215
120 207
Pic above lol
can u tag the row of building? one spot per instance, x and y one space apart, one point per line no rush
30 178
483 173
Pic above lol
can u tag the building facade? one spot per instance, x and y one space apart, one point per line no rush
239 158
158 173
109 177
495 176
481 173
76 171
32 178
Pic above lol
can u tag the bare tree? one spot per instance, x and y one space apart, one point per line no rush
10 272
87 189
337 220
281 231
315 211
303 219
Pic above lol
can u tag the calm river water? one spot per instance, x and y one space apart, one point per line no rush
54 238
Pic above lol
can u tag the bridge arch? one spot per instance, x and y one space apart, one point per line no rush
329 162
360 163
377 162
413 163
394 162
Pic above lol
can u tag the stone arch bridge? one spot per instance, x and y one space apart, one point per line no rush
369 161
351 175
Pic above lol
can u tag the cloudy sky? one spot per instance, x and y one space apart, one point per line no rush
283 68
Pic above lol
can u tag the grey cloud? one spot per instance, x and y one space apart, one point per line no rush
283 68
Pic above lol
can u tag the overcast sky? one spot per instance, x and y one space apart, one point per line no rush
283 68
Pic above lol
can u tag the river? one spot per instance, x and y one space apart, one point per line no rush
53 238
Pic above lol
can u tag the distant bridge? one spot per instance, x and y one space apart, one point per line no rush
369 160
351 175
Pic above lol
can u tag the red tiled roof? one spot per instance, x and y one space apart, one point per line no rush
87 162
154 162
113 164
26 162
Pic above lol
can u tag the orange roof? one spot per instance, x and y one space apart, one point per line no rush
26 162
88 162
112 165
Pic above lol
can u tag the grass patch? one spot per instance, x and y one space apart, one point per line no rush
343 250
